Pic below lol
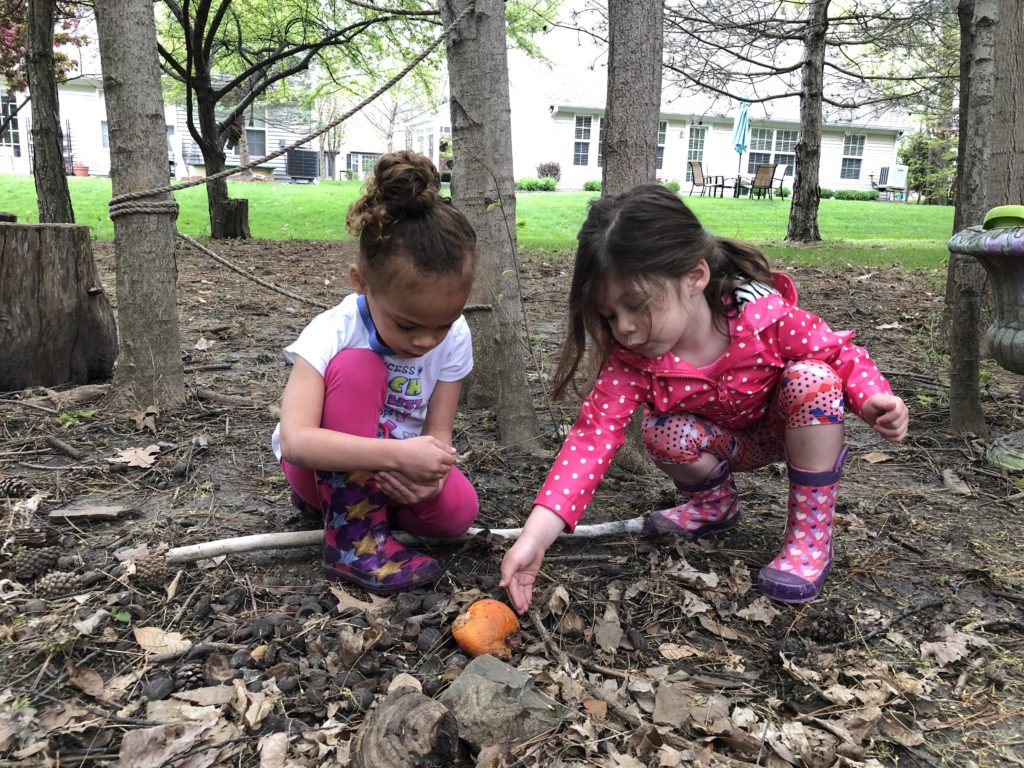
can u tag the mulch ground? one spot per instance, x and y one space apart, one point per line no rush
911 657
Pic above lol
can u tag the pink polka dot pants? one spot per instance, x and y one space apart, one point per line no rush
808 393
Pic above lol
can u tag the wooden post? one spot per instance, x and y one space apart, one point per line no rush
56 323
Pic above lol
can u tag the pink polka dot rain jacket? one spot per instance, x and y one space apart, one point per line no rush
767 334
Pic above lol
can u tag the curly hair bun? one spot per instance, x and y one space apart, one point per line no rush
403 184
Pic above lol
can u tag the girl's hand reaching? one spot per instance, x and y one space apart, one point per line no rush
521 563
888 416
425 459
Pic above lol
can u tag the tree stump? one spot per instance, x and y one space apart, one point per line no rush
231 219
56 323
407 730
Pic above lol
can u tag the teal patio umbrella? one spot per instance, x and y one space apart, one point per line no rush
739 137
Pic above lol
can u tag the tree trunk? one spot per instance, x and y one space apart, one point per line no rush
803 213
58 325
211 144
482 187
629 136
965 279
149 365
1007 186
48 140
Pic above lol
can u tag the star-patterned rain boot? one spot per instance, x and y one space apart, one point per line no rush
798 572
710 507
358 545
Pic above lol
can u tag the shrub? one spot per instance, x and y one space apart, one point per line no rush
673 185
783 192
863 195
526 184
446 177
591 186
826 193
554 170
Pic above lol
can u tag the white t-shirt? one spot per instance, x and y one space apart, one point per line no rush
411 381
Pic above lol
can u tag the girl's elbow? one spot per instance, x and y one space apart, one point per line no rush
290 450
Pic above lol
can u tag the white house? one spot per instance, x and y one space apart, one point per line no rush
557 111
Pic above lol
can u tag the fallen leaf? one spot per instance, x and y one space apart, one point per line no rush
717 628
760 609
676 651
208 696
147 419
204 344
596 707
404 679
875 457
85 679
155 640
137 457
273 750
89 625
952 481
951 646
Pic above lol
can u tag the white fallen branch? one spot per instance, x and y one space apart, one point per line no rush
293 539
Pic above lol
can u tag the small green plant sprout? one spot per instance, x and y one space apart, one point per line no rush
925 399
121 615
69 419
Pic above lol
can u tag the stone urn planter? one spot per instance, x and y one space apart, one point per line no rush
998 245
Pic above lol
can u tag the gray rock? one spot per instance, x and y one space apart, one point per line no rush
495 703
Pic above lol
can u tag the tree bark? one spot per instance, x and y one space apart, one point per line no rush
803 213
965 280
1007 186
149 365
483 188
58 326
629 136
47 138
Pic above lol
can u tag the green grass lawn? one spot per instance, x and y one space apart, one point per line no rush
912 236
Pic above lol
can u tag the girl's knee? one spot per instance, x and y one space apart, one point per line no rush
678 438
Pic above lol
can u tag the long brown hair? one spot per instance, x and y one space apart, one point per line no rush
402 215
645 235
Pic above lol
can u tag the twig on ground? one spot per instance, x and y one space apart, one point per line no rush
289 539
65 448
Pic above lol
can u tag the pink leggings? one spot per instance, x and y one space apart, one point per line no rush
354 388
809 392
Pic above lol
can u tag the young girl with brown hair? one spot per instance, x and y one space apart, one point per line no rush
731 373
365 437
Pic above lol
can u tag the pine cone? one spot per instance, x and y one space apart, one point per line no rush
190 675
15 488
58 584
33 562
151 572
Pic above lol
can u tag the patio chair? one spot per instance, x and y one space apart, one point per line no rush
705 182
779 177
763 180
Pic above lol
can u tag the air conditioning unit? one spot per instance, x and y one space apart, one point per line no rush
898 177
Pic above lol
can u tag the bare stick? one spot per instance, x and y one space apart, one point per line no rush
291 539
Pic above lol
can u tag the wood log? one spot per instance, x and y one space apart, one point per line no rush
56 323
231 219
8 218
407 730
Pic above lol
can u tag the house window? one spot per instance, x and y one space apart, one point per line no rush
104 134
768 145
600 142
853 152
695 147
581 148
256 138
785 150
660 159
11 136
362 162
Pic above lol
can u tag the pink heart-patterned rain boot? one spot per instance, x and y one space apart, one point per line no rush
710 507
798 572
